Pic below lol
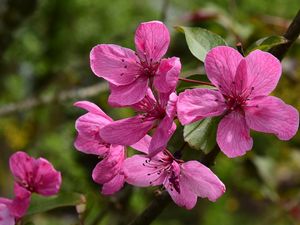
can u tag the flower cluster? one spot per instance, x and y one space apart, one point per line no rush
146 82
31 176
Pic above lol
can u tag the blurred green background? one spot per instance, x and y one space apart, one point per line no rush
44 57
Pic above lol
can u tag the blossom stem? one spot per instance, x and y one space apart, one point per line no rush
196 81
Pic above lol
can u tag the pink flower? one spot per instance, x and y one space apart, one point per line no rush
34 175
184 181
152 113
31 175
11 210
131 73
109 171
242 98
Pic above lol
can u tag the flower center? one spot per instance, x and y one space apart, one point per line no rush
164 168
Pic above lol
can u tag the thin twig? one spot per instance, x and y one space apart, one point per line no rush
60 97
291 35
196 81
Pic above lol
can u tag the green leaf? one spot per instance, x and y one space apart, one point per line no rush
200 40
266 43
201 135
41 204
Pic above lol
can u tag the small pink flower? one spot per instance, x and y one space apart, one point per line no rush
13 210
34 175
131 73
184 181
242 97
31 175
109 171
152 113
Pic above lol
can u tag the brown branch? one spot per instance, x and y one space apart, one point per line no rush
291 35
161 201
47 99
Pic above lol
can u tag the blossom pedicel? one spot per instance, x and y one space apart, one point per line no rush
242 98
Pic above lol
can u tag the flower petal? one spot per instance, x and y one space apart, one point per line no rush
146 104
94 109
21 202
110 166
264 71
186 198
152 40
47 180
140 173
114 185
126 131
88 126
271 115
221 64
201 180
198 103
166 77
21 164
143 144
90 145
233 135
115 64
161 136
128 94
5 216
240 85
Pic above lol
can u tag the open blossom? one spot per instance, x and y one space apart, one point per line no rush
184 181
31 175
242 98
13 210
153 113
130 73
35 175
109 171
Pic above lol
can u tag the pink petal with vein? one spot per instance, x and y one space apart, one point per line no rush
139 173
152 40
271 115
114 185
202 181
197 104
128 94
264 71
115 64
233 135
166 77
127 131
221 64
